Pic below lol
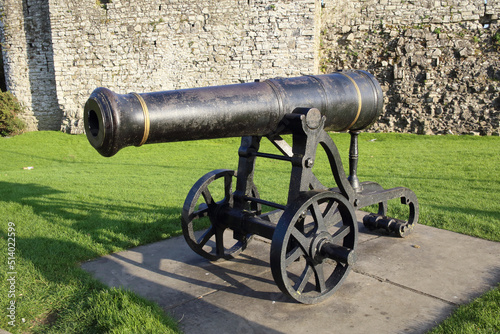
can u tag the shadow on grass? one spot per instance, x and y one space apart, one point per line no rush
78 302
111 226
490 214
110 234
77 231
107 162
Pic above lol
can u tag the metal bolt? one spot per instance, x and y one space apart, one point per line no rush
313 118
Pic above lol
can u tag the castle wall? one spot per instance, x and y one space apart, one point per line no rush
156 45
438 64
15 58
28 61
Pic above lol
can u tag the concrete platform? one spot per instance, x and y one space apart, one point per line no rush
397 286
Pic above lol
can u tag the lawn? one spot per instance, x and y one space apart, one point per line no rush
75 205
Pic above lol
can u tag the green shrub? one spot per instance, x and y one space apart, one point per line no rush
496 37
10 124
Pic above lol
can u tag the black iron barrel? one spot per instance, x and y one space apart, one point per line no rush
350 100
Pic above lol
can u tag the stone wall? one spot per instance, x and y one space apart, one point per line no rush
438 64
15 56
150 45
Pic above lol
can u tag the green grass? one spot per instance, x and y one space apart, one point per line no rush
480 316
75 205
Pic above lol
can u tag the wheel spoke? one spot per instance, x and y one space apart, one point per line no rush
341 234
304 279
201 204
318 217
228 193
293 255
331 214
219 241
303 241
207 195
300 261
206 236
199 214
320 277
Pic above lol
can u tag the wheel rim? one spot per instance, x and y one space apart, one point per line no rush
299 268
200 211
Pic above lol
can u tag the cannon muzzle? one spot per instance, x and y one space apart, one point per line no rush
350 100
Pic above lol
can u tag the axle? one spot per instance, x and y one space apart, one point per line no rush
242 223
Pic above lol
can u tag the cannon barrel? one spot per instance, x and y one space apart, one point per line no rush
350 100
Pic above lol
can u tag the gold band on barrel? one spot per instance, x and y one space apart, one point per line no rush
359 101
146 118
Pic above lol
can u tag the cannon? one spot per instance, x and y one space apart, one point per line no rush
314 235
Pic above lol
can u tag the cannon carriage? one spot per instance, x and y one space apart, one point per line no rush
314 236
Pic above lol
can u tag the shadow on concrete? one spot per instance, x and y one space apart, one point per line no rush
230 275
181 282
395 283
399 285
55 258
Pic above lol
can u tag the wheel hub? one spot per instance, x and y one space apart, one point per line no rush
315 250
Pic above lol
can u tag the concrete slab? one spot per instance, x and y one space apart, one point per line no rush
397 286
439 263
